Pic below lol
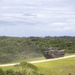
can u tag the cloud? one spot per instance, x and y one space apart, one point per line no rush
14 16
59 24
37 17
71 20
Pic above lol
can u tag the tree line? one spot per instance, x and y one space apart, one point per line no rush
20 48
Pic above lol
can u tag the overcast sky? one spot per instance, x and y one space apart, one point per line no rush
24 18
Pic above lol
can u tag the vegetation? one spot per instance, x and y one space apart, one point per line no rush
23 69
58 67
16 49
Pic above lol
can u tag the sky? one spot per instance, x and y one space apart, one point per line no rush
23 18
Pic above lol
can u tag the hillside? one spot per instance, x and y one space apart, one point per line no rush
16 49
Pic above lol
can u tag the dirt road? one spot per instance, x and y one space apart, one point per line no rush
39 61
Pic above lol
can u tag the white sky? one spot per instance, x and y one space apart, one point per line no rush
37 18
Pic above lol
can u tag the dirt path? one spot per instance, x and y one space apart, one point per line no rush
40 60
53 59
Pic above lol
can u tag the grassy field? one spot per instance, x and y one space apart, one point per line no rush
56 67
28 60
37 58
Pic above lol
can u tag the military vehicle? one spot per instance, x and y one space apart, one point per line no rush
53 52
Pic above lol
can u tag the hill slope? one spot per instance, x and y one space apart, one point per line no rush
16 49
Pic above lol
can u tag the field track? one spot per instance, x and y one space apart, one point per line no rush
39 61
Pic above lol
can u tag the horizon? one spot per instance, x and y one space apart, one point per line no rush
37 36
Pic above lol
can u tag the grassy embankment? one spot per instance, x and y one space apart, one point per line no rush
56 67
38 58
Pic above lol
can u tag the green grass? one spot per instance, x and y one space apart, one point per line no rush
37 58
34 59
58 67
28 60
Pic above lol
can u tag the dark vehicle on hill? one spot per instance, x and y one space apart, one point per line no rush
53 52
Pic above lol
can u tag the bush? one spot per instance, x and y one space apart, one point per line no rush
1 72
10 72
29 69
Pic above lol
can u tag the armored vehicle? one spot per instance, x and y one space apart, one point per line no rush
53 52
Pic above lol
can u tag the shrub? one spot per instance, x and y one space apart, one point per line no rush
1 72
10 72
